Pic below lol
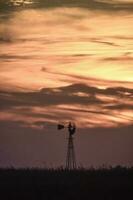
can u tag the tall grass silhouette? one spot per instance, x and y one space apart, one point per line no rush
100 184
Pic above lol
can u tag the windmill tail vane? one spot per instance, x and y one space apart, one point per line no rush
60 126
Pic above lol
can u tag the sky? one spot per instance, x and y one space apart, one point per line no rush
64 61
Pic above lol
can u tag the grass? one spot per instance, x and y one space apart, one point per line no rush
100 184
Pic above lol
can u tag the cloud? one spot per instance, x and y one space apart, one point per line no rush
119 59
104 42
13 57
72 94
121 107
50 96
78 50
91 4
116 1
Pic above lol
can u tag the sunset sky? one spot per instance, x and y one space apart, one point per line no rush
66 61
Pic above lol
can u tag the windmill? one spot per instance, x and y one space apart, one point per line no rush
70 157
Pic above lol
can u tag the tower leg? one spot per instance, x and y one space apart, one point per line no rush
70 158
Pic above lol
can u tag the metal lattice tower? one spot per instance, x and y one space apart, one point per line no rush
70 157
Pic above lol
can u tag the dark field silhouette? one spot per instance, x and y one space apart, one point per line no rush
100 184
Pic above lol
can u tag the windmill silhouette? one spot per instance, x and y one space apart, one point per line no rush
70 157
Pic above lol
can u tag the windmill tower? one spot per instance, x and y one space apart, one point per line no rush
70 157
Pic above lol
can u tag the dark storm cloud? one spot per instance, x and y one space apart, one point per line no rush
90 4
72 94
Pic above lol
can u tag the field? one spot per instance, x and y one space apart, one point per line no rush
101 184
